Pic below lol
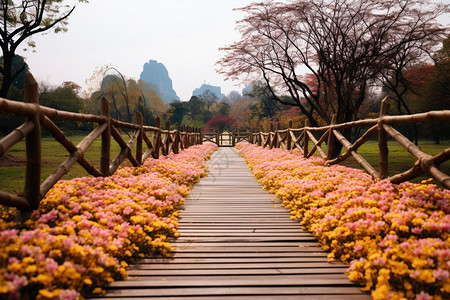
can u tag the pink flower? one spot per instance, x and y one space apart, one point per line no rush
19 282
440 274
68 242
79 268
423 296
416 230
26 250
13 260
379 261
128 210
69 295
50 265
405 245
9 234
358 248
414 274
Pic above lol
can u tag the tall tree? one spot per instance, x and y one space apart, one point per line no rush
208 97
19 20
344 44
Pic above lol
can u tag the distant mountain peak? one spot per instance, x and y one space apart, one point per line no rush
156 73
215 89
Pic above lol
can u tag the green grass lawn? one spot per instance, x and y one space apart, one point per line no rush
400 159
12 178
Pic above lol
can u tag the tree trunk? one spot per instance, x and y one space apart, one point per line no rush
7 76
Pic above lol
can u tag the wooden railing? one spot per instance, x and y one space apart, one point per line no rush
162 143
300 138
227 138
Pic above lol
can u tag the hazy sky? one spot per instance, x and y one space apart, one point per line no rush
183 35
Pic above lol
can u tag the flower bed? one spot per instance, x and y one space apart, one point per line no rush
395 237
87 229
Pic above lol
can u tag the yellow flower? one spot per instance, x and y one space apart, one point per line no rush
43 278
47 294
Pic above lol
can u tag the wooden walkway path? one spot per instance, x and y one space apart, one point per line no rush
235 245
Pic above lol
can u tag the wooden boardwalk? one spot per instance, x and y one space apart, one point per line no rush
235 245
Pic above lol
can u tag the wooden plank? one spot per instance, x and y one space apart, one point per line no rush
240 231
181 254
268 271
247 297
179 243
235 245
248 238
226 249
236 260
256 279
235 281
343 292
241 266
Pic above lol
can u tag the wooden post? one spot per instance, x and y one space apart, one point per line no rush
217 137
201 136
233 137
260 136
140 122
176 142
330 142
33 146
106 139
382 140
197 136
277 137
270 135
305 139
288 137
182 137
157 138
189 136
167 139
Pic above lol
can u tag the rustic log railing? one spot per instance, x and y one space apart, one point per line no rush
300 138
227 138
163 142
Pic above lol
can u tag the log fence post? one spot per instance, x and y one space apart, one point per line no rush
288 137
188 137
277 136
305 139
157 138
260 136
182 137
140 138
233 136
33 145
176 141
382 140
330 141
270 135
217 137
167 139
106 139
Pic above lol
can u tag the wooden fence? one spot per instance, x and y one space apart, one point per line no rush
226 139
163 142
300 138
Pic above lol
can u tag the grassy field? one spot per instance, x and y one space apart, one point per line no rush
400 159
12 170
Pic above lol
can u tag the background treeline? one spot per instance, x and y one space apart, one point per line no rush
423 87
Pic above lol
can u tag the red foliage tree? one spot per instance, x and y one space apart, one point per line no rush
345 44
221 123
